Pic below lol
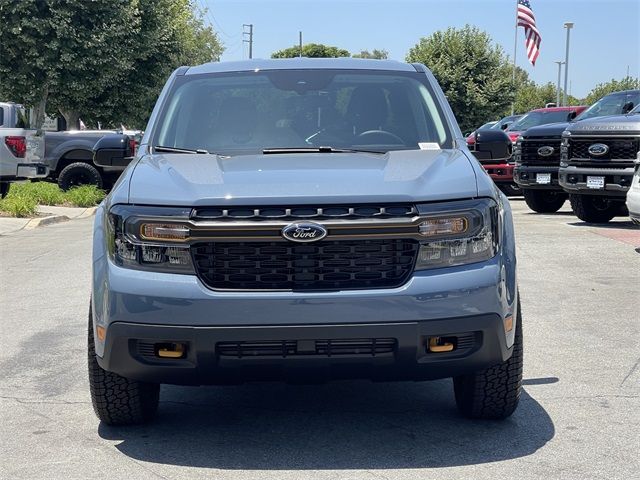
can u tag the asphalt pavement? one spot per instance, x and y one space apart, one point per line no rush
579 415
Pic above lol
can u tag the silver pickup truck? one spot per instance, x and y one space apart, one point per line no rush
21 148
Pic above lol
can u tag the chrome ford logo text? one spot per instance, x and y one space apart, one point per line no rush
546 151
304 232
598 149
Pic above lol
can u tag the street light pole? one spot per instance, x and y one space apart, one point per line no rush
560 63
568 26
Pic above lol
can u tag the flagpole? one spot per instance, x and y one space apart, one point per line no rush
515 50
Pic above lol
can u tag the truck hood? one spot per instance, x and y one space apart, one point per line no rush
399 176
612 125
546 131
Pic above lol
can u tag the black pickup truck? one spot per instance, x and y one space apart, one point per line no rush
537 153
597 164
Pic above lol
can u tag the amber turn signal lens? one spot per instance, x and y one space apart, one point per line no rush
164 231
443 226
508 323
102 333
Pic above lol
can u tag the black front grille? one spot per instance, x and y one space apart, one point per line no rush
367 347
324 265
619 148
530 155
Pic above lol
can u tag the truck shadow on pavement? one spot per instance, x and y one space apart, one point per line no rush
344 425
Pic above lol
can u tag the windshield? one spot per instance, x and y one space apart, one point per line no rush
610 105
506 121
533 119
248 112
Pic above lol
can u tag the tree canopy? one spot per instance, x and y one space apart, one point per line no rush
104 60
602 89
312 50
376 54
474 73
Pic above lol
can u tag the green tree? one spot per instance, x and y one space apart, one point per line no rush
100 60
377 54
531 95
312 50
474 73
602 89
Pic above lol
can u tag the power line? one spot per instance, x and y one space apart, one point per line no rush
213 22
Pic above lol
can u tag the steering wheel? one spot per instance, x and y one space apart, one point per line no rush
380 137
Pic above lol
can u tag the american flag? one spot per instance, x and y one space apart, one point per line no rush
532 38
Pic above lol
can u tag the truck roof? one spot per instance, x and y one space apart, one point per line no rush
301 63
560 109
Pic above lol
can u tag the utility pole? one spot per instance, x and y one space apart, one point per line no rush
560 63
568 26
300 43
250 35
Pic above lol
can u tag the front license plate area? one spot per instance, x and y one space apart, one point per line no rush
595 182
543 178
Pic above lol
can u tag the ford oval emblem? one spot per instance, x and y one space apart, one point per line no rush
546 151
304 232
598 149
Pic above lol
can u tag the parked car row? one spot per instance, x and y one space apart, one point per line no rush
63 157
590 160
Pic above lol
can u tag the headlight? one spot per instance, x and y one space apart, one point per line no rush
458 233
147 244
517 151
564 150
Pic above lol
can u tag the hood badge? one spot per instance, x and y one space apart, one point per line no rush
304 232
598 149
546 151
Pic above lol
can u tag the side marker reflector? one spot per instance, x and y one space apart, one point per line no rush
508 323
101 333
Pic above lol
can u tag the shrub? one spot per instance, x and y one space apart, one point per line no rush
84 196
19 206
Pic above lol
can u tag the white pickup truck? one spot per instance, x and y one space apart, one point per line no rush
21 148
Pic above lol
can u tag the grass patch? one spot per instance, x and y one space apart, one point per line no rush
19 206
24 198
84 196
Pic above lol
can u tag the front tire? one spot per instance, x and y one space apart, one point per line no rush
77 174
544 201
493 393
118 400
594 208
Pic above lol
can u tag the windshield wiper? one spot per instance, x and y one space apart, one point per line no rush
160 148
273 151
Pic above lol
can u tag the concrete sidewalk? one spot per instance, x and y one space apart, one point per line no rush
47 215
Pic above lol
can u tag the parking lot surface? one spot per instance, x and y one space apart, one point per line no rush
579 415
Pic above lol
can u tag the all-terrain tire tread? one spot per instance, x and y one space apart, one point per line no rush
536 200
118 400
493 393
582 207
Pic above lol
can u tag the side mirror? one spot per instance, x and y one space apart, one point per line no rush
627 107
493 145
113 150
571 116
504 126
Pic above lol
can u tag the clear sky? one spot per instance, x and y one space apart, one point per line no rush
604 41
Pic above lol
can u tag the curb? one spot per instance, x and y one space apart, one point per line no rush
52 219
41 222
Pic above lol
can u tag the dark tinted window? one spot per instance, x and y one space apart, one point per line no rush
533 119
246 112
610 105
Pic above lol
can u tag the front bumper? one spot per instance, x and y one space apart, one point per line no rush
500 172
224 355
617 181
138 307
525 176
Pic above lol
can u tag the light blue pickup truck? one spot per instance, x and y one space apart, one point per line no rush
303 219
